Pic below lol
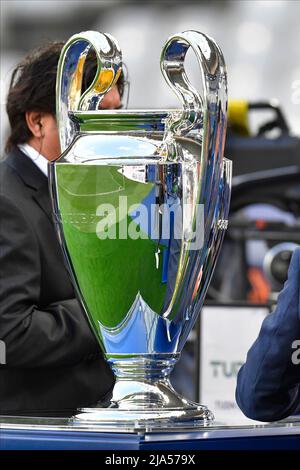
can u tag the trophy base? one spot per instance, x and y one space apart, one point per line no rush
149 420
143 398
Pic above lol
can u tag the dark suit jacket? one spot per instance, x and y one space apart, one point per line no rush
268 384
53 362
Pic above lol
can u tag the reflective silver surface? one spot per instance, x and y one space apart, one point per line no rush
70 74
141 200
210 430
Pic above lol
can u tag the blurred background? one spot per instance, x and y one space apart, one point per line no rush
261 44
260 41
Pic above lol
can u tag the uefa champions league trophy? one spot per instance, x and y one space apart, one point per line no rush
141 200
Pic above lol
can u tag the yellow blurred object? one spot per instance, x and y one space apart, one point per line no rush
75 85
238 117
105 80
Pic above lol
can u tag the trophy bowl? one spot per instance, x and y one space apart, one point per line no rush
140 201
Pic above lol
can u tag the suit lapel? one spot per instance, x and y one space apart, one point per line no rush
33 178
42 198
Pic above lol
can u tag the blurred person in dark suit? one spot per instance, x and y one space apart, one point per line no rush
268 384
53 362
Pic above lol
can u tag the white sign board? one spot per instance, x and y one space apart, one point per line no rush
226 335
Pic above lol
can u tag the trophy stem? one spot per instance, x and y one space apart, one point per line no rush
142 381
143 395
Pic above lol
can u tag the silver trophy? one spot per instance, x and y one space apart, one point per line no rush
141 200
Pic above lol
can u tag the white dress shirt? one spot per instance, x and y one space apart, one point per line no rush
40 161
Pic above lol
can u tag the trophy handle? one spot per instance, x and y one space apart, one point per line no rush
70 74
196 110
203 118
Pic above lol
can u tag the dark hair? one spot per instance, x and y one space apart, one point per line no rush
32 88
